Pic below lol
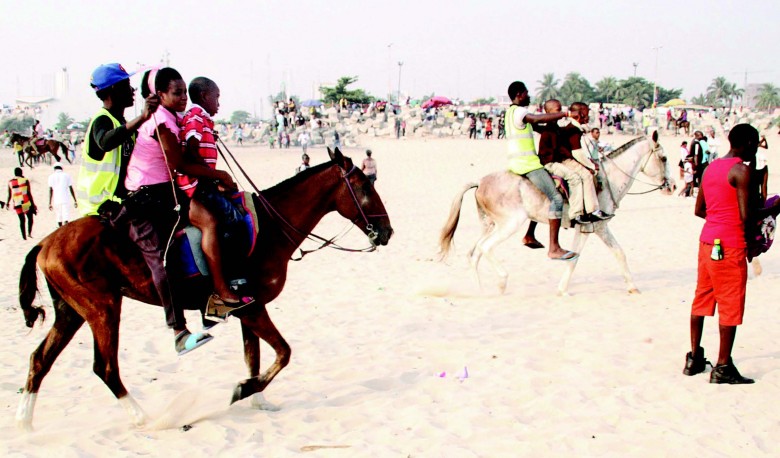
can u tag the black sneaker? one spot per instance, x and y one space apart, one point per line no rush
728 373
695 364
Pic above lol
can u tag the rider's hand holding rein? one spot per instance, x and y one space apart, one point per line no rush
150 106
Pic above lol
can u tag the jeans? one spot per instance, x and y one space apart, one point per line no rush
541 179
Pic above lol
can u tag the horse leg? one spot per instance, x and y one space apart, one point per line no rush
579 243
260 324
475 255
609 240
498 235
66 323
252 359
104 321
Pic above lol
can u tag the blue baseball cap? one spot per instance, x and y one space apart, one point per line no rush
108 75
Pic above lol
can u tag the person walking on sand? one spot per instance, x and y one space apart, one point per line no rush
724 203
20 196
60 193
369 167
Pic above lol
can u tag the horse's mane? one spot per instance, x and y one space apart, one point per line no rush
294 180
615 153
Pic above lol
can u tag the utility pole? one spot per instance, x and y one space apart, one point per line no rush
657 50
398 97
389 69
636 64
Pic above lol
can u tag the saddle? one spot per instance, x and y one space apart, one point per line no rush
237 241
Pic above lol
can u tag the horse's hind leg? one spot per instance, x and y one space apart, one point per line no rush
104 321
261 326
498 235
609 240
66 323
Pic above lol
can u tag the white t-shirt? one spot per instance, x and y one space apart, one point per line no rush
688 171
683 153
60 184
303 138
519 115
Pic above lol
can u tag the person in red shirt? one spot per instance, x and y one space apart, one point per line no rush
724 203
206 185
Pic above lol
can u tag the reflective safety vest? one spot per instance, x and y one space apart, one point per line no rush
98 180
522 151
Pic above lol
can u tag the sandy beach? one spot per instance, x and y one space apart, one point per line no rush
395 354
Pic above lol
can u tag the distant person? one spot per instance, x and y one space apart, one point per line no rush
336 139
472 127
397 127
304 164
501 127
303 139
724 203
489 128
687 176
60 193
369 167
684 153
761 174
21 198
239 134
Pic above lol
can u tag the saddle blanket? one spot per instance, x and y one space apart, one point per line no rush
187 255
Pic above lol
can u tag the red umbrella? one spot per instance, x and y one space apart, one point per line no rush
436 101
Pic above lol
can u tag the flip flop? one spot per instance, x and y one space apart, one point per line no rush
534 245
186 341
568 256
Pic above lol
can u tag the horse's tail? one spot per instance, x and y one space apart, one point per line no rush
65 152
28 288
448 231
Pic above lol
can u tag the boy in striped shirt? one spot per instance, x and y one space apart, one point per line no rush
200 179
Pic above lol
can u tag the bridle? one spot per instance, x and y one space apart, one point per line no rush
288 229
664 183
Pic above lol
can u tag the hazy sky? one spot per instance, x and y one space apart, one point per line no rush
455 48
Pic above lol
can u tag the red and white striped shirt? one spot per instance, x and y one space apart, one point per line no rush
197 123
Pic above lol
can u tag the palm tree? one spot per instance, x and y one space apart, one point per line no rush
575 88
607 88
720 91
768 97
700 99
548 87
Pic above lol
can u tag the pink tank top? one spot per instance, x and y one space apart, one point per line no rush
147 164
723 221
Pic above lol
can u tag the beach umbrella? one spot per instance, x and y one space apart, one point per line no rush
436 101
311 103
674 103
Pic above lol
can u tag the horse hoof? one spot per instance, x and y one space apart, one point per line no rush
260 403
634 291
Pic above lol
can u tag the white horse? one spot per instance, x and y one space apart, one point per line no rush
503 210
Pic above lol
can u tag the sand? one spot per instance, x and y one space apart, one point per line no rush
397 355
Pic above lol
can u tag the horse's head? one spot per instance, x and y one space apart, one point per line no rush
657 166
359 202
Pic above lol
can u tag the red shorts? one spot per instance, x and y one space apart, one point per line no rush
723 283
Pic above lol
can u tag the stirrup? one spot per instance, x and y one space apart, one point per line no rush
219 309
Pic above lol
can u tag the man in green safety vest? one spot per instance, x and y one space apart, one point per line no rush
523 160
109 139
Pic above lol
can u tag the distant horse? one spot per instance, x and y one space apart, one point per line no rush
89 267
49 146
503 209
685 125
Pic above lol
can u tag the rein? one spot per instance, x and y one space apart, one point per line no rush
663 185
274 214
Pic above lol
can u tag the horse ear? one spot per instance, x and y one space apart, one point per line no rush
337 157
655 136
330 153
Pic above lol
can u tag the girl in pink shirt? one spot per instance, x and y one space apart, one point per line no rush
155 206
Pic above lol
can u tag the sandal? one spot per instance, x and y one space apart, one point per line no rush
219 309
186 341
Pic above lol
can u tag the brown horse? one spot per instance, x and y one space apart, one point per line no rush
685 125
49 146
89 267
